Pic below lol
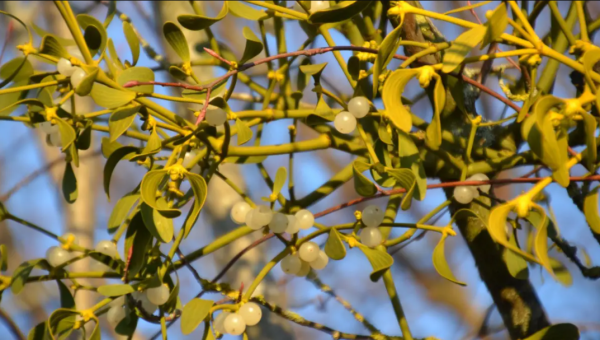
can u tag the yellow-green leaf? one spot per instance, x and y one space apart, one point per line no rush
50 45
120 211
95 33
383 133
67 133
392 98
590 125
139 74
253 45
497 228
517 266
152 147
561 273
158 225
409 158
69 184
495 25
115 289
194 312
440 263
85 87
334 247
540 243
379 259
200 189
461 47
61 322
590 210
138 237
406 179
177 40
16 70
433 135
362 184
590 59
280 178
200 22
343 10
111 164
120 120
21 274
240 10
385 53
244 132
561 331
149 188
133 41
110 98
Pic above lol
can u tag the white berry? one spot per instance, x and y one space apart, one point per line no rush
292 226
321 261
115 315
158 295
187 159
77 77
57 256
118 302
481 177
359 106
463 194
344 122
239 212
291 264
309 251
251 313
215 116
304 219
146 304
65 67
371 237
234 324
304 269
107 247
259 217
279 223
54 139
48 128
219 320
372 216
318 5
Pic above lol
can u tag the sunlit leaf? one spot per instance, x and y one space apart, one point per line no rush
110 98
16 70
200 189
362 184
590 58
433 136
392 98
409 158
139 74
85 87
95 33
39 332
385 54
177 40
111 164
149 188
540 243
497 228
194 312
244 132
153 146
461 47
253 45
69 184
560 331
313 70
380 261
384 135
133 41
60 323
239 9
120 120
517 266
115 289
495 25
343 10
67 133
280 178
334 247
121 210
21 274
590 210
406 179
561 273
441 265
200 22
159 226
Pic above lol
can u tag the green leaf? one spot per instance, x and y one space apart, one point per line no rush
109 147
66 298
334 247
517 266
440 263
253 45
120 211
96 332
10 99
16 70
115 289
384 135
497 228
200 22
60 323
114 57
3 257
495 25
433 136
194 312
385 54
344 10
590 125
410 159
153 146
590 58
121 119
42 33
20 275
561 273
133 41
139 238
280 178
590 210
110 98
200 189
406 179
95 33
84 140
208 334
159 226
111 164
69 184
560 331
67 133
112 10
461 47
177 40
177 72
149 186
240 10
380 260
85 87
392 98
313 70
362 184
139 74
39 332
540 245
244 132
322 115
127 326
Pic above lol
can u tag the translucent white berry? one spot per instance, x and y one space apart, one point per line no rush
309 251
344 122
215 116
146 304
234 324
372 216
475 191
292 226
259 217
463 194
107 247
115 315
53 139
77 77
65 67
304 269
251 313
481 177
187 159
291 264
57 256
48 128
304 219
158 295
371 237
219 321
279 223
239 212
359 106
318 5
118 302
321 261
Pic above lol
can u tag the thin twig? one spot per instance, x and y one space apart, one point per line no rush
11 325
216 55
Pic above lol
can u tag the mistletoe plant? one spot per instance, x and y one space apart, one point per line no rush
395 152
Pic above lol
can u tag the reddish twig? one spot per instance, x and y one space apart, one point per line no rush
214 54
9 31
474 13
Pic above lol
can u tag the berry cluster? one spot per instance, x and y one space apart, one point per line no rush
67 69
309 256
466 194
313 6
372 217
149 300
249 314
345 121
261 216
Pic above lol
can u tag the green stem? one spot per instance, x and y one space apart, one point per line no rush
582 24
281 9
409 233
388 280
338 56
31 87
561 22
263 273
32 226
